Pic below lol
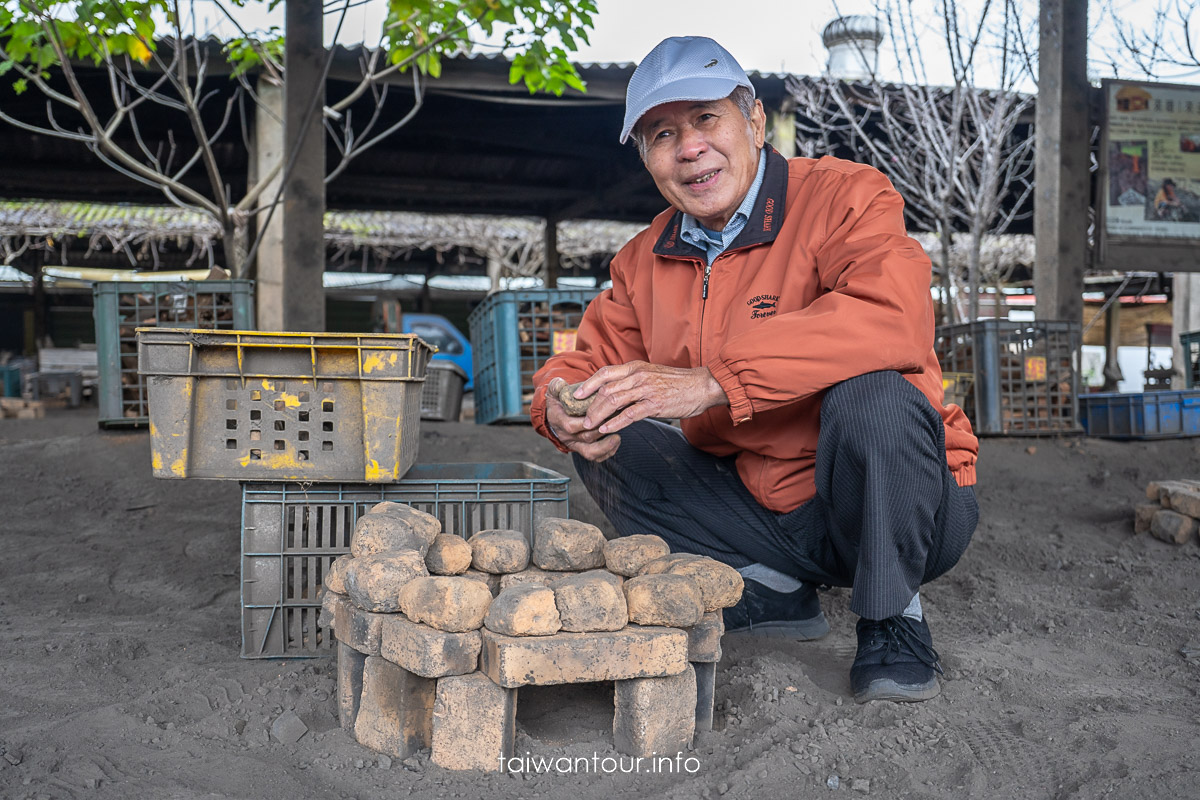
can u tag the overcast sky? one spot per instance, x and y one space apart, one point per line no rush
764 35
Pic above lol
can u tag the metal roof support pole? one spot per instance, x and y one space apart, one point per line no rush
268 150
304 168
551 249
1061 200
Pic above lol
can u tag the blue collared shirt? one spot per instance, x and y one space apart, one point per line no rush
715 242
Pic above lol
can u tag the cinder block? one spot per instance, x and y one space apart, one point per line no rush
357 628
1185 501
655 715
350 664
1173 527
1143 513
427 652
706 686
632 652
395 714
704 638
474 723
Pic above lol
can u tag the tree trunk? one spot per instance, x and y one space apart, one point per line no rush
973 267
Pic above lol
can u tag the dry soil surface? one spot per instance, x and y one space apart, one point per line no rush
1062 633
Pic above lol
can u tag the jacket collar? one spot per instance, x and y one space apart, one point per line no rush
762 226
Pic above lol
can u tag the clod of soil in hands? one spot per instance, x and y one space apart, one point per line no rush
576 408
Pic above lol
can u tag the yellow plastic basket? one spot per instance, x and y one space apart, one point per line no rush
248 405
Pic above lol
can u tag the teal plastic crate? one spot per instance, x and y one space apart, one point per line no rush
512 335
1145 415
291 534
1190 342
123 306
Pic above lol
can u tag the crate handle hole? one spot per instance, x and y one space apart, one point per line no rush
255 394
280 444
303 455
256 455
326 446
231 444
255 416
231 424
327 426
327 406
255 436
304 436
280 405
279 425
304 397
231 384
231 405
303 416
326 387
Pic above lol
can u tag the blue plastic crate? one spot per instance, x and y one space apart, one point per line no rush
1146 415
512 335
292 532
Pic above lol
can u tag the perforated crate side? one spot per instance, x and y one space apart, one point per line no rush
512 335
442 393
1026 374
291 533
122 306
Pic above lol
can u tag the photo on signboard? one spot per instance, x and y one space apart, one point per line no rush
1172 203
1127 173
1189 143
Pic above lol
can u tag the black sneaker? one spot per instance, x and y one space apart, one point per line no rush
766 612
895 661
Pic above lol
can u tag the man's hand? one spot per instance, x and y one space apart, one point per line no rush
638 390
573 432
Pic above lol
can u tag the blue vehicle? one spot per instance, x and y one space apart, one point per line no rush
449 340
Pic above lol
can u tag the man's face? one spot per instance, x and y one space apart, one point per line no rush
703 156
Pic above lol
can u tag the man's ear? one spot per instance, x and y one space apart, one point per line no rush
758 121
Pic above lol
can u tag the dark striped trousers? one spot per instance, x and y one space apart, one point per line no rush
887 517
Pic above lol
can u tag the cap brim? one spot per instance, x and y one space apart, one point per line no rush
697 89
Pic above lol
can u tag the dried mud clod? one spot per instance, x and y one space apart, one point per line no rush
574 407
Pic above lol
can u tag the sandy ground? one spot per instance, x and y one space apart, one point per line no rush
1060 630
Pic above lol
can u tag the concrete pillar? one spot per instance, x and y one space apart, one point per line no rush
1185 317
268 150
1062 192
303 294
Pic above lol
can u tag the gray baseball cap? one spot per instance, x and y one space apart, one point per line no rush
681 68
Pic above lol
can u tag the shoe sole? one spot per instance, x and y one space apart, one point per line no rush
887 689
804 630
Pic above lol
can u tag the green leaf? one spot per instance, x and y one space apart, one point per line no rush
20 85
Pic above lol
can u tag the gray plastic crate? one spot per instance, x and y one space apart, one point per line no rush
120 307
292 532
1026 374
442 394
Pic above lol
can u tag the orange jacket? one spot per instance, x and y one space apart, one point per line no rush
822 284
